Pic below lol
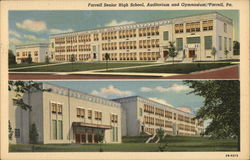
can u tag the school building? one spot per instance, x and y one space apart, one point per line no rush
37 52
194 37
63 115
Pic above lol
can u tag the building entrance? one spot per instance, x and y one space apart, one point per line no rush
191 53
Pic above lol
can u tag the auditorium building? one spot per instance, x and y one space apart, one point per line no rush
63 115
194 37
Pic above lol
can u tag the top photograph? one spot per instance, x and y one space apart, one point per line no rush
124 44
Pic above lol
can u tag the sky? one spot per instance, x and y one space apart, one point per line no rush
27 27
173 93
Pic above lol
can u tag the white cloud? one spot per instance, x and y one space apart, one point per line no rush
116 23
14 33
30 37
162 101
185 109
111 92
39 26
146 89
15 41
33 26
55 31
175 87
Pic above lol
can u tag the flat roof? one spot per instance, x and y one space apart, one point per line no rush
171 107
168 19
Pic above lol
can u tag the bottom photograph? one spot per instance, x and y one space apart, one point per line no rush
124 116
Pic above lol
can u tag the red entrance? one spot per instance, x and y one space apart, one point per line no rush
191 53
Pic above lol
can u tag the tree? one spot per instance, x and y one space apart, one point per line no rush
236 48
221 105
72 60
160 134
29 59
213 52
100 138
47 61
226 53
11 57
107 57
172 50
33 135
10 131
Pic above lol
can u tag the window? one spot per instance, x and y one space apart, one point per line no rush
98 115
114 118
80 112
165 35
52 44
225 43
191 40
113 134
220 43
54 129
179 42
208 42
207 25
17 54
53 107
225 27
60 129
89 114
59 108
17 133
140 111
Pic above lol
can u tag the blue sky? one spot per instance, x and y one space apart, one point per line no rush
168 92
35 26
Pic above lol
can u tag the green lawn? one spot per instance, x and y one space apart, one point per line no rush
78 67
135 144
24 65
182 68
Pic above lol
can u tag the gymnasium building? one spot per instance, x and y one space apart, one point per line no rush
194 37
63 115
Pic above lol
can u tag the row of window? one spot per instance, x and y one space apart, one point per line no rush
114 118
56 108
109 46
27 53
149 31
192 40
194 27
227 43
85 47
57 129
186 127
149 43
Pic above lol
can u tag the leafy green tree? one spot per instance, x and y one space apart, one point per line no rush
33 136
47 61
160 134
72 60
11 57
10 131
226 52
100 138
29 59
172 50
107 57
236 48
213 52
221 105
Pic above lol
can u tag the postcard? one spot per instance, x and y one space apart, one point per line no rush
124 80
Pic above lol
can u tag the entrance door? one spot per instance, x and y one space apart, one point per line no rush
165 54
191 53
90 138
78 138
83 138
